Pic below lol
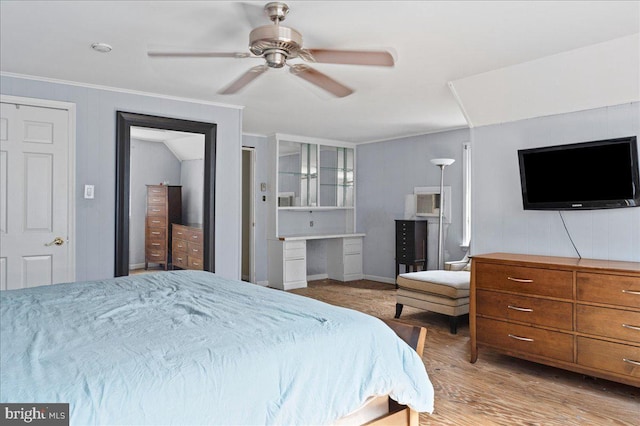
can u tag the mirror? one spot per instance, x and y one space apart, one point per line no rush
125 122
163 157
297 174
336 176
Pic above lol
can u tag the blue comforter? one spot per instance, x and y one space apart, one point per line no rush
187 347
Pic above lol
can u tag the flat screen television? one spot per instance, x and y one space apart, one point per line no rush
588 175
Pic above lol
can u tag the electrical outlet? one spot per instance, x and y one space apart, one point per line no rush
311 223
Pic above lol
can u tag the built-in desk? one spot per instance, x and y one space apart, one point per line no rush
288 259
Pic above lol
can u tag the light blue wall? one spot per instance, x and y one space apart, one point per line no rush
499 222
192 181
96 164
386 172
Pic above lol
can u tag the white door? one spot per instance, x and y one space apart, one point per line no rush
35 214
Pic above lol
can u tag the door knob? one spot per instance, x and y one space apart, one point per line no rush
57 241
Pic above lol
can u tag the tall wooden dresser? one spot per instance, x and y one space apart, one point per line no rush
411 243
164 207
578 314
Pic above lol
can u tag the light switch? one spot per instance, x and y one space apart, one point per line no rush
88 192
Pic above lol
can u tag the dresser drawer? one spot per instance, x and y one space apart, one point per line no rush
156 190
156 199
534 281
157 234
179 231
194 250
179 246
195 236
531 310
295 250
614 357
156 210
526 340
606 322
180 260
156 255
154 245
352 245
195 263
157 222
614 289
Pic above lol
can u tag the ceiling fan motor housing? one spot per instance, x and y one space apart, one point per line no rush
276 43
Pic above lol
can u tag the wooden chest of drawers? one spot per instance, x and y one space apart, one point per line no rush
187 247
581 315
164 206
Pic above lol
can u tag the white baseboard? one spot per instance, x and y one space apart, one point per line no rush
386 280
263 283
317 277
136 266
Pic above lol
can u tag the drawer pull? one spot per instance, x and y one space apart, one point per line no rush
516 308
180 259
155 210
632 327
155 233
524 339
520 280
155 244
196 264
155 255
155 221
631 292
630 361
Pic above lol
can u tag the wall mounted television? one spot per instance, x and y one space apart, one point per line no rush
589 175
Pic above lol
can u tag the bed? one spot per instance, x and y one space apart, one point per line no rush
190 347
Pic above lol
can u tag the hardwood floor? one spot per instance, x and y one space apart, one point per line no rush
497 389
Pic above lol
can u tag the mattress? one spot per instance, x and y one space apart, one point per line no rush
190 347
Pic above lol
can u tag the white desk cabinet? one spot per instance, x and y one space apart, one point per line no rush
288 259
344 259
287 264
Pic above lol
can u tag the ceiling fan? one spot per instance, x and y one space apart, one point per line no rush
277 44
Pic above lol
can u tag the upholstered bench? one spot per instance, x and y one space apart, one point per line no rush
445 292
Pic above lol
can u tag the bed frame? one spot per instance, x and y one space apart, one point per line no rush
401 414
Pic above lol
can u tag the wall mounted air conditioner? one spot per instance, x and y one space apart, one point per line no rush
427 205
425 202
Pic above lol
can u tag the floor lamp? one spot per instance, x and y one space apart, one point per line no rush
442 163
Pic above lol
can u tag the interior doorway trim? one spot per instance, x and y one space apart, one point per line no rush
124 122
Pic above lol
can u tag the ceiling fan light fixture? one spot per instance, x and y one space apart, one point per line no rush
275 58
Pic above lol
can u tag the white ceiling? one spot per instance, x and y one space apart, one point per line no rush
184 146
472 44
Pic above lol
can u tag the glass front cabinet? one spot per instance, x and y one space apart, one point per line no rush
311 175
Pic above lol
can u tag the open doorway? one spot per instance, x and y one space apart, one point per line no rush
248 215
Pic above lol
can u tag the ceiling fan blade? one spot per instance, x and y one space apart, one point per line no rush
321 80
244 79
350 57
196 54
